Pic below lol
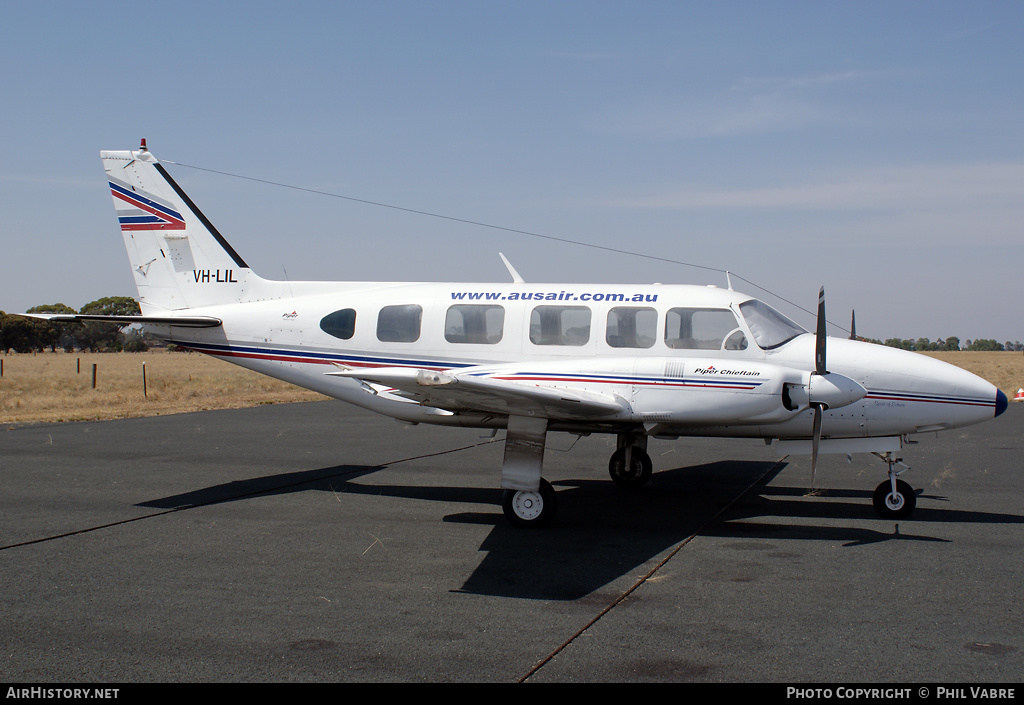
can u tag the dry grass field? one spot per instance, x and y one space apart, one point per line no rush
48 387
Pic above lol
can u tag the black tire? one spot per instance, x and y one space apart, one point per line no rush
530 510
899 506
637 474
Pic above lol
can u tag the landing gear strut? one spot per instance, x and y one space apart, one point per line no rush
894 499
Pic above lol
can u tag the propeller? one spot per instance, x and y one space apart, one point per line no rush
819 337
826 390
820 369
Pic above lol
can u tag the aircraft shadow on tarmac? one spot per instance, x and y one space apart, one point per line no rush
602 532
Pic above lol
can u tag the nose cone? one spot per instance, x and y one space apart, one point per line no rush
1001 402
912 393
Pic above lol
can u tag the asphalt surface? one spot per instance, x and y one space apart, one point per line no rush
318 542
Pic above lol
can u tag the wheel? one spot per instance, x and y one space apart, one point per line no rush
639 471
530 509
898 506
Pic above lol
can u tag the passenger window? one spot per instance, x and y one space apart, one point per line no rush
399 324
468 323
560 325
340 324
703 329
632 327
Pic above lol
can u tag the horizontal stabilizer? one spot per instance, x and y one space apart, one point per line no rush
182 321
465 392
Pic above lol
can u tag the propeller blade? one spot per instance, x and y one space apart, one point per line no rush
815 439
819 337
820 368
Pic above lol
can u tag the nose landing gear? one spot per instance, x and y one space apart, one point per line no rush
894 499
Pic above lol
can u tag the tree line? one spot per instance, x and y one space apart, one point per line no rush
21 334
951 343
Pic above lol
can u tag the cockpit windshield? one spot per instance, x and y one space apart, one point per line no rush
769 327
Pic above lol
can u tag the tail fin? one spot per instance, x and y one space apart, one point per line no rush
178 257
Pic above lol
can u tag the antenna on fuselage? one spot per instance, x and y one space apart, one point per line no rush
728 280
287 279
511 270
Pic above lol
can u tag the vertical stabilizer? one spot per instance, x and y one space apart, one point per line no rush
178 257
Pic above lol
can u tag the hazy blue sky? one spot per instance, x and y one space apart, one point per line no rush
874 148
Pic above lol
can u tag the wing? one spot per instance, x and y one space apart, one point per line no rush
465 391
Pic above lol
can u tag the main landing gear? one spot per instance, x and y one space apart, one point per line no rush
529 501
527 509
894 499
630 466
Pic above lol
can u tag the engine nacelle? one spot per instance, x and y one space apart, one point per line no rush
830 390
688 392
833 390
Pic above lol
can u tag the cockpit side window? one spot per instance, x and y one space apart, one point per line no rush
769 327
703 329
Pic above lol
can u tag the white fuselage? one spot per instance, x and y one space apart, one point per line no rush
628 342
